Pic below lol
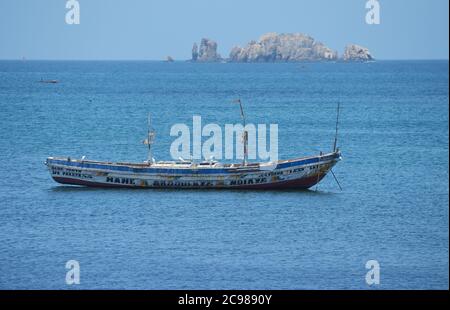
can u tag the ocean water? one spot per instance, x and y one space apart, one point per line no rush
394 137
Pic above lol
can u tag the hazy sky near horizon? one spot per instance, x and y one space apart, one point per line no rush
154 29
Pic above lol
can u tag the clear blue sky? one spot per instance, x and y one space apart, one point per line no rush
153 29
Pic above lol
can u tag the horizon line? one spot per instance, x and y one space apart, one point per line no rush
188 60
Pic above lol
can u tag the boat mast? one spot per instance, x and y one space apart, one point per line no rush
149 140
245 133
337 123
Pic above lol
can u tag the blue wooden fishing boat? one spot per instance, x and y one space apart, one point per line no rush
297 173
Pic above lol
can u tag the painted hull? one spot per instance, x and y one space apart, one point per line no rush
299 173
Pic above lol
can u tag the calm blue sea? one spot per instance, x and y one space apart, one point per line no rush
394 135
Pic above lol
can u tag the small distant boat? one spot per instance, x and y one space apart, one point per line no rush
49 81
298 173
169 59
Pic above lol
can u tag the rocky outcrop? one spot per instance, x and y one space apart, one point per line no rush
355 52
285 47
194 52
207 51
289 47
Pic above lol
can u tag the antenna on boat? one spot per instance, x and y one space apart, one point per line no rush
245 133
337 124
150 139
